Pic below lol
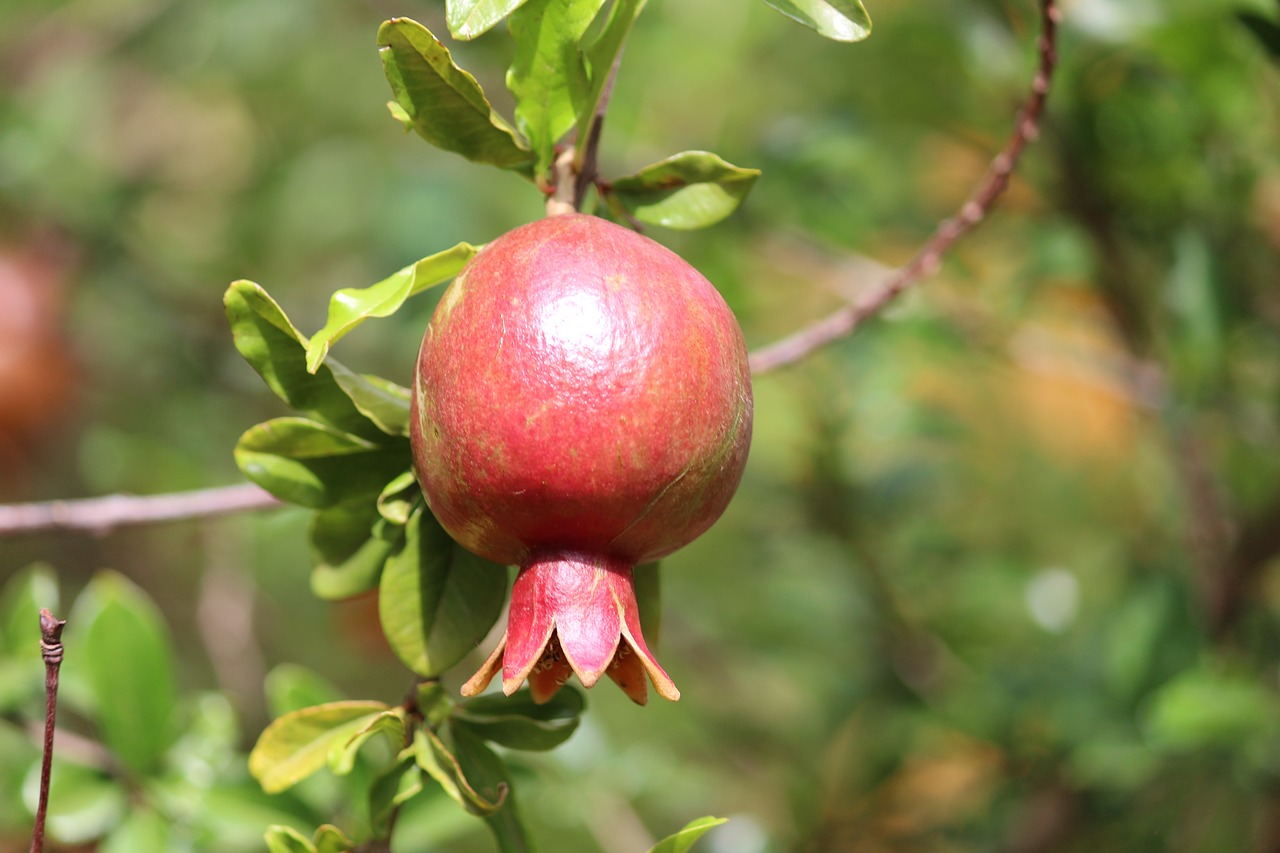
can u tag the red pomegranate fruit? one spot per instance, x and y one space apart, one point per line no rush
581 404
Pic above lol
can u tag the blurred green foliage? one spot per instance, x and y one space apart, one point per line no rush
1002 573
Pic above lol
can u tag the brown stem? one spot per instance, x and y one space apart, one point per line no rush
51 649
99 516
929 257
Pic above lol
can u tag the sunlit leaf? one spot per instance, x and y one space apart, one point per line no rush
842 20
277 351
436 599
350 307
1203 709
467 19
686 837
601 46
123 651
440 764
445 103
298 744
692 189
399 497
382 401
311 464
547 68
517 722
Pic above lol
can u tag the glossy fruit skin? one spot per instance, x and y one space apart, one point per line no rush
581 390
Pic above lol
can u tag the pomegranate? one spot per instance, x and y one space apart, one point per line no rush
581 404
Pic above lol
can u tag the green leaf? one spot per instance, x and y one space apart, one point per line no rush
143 831
22 597
298 744
331 839
399 497
308 463
350 544
351 306
1265 30
600 49
689 190
489 775
286 839
470 18
21 664
393 787
517 722
117 643
382 401
1202 709
686 837
342 754
440 764
547 68
444 103
290 687
84 804
841 20
277 351
436 599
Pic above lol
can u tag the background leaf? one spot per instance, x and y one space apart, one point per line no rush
117 644
601 47
686 837
841 20
689 190
445 103
489 774
436 599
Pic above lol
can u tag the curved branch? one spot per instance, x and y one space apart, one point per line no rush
99 516
928 259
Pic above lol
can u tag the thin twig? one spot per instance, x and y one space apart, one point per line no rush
929 258
99 516
51 649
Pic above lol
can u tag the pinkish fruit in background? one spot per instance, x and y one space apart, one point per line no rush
581 404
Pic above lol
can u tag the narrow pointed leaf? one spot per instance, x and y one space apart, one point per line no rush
600 49
393 787
399 498
517 722
298 744
440 764
436 600
489 775
351 306
547 68
681 841
311 464
445 103
689 190
286 839
124 653
342 754
277 351
350 544
470 18
841 20
331 839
